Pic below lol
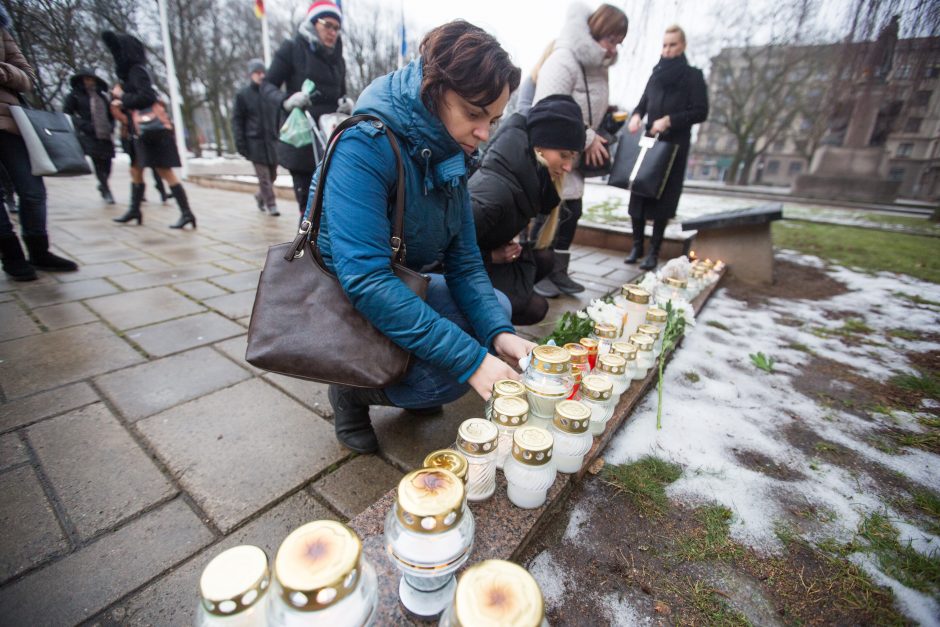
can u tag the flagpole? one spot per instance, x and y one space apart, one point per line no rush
174 89
265 40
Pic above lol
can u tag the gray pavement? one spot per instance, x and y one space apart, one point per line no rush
135 441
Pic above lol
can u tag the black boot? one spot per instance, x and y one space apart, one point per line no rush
559 275
636 253
639 227
106 194
659 232
351 416
41 258
651 261
158 182
186 216
14 261
133 212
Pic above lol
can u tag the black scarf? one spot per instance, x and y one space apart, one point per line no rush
668 72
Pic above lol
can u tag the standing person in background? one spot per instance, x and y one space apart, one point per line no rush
316 52
16 77
254 124
675 98
526 91
89 107
577 67
135 92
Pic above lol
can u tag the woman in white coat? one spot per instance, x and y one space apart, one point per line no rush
577 67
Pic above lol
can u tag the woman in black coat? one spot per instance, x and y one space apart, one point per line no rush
135 92
89 107
315 52
518 180
675 98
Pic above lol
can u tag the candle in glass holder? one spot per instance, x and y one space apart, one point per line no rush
605 334
530 470
449 459
597 395
233 589
671 289
638 302
657 317
591 345
503 387
496 593
509 413
613 368
625 349
477 440
548 379
644 355
655 333
579 364
570 432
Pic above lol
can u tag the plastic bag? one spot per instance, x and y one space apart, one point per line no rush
296 129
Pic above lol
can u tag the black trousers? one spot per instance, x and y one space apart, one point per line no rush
536 307
102 171
567 224
659 230
301 188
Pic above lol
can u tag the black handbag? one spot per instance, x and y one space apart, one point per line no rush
53 147
303 324
642 164
587 171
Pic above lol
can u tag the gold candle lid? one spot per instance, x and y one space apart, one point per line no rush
476 437
572 417
589 343
642 342
508 387
430 500
510 411
626 287
234 580
449 459
671 282
495 593
625 349
650 330
614 364
638 295
532 446
318 565
606 331
655 314
597 388
578 352
551 359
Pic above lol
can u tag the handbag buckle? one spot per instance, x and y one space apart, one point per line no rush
305 226
396 244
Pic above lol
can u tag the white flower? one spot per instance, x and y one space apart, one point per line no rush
581 314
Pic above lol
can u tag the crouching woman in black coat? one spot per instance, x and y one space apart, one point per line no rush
519 180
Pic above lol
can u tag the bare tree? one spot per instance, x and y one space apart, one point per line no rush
371 45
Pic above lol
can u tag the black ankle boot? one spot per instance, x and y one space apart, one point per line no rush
559 275
651 261
41 258
106 194
186 216
636 253
133 212
351 416
14 261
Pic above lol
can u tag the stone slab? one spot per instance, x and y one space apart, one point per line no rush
184 333
233 305
97 271
12 451
31 532
150 388
112 254
747 249
199 290
238 450
99 473
46 361
55 293
239 282
310 393
236 264
87 581
187 255
14 323
142 307
64 315
235 350
24 411
357 484
150 263
761 214
141 280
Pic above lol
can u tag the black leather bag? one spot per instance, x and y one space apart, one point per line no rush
642 164
53 147
587 171
303 324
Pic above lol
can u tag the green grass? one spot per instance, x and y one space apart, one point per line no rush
923 383
644 482
713 607
917 300
919 223
762 361
692 376
825 447
797 346
855 325
718 325
929 421
904 334
868 249
713 542
910 567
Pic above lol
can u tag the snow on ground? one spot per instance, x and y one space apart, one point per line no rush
736 407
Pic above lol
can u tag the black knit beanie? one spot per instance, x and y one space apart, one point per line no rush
556 122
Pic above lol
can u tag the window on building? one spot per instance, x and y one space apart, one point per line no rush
711 143
773 167
921 98
706 170
795 168
933 71
913 125
903 71
896 174
904 150
778 146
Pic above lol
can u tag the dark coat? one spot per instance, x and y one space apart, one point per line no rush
296 60
686 103
254 124
78 105
507 191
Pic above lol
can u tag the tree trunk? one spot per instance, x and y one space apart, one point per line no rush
193 131
216 126
229 136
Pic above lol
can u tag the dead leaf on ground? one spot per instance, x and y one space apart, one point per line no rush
597 466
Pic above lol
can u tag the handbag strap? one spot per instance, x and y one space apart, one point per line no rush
587 94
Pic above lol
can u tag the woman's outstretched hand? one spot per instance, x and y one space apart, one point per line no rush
508 346
512 347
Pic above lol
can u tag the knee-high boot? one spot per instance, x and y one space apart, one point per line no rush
133 212
186 215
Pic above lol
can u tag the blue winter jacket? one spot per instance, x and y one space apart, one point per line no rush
356 227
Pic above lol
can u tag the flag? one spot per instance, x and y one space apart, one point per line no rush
259 9
403 51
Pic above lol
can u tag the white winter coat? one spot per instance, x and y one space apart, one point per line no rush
561 74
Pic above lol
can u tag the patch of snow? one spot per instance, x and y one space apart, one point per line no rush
924 543
619 612
550 577
918 606
578 517
930 403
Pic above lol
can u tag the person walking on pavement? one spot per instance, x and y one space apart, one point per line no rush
675 98
577 67
135 92
17 77
315 53
254 123
91 114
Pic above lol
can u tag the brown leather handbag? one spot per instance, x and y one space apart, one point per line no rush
303 324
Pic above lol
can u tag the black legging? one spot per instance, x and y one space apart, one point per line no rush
659 230
568 223
102 170
537 306
301 188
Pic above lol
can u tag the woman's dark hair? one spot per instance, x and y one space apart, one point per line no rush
608 21
468 60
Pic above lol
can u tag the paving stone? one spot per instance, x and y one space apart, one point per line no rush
177 274
64 315
171 599
54 293
43 362
150 263
233 305
122 253
190 254
240 449
23 411
97 470
30 530
149 388
239 282
84 583
357 484
597 283
12 451
135 309
310 393
625 275
235 349
200 290
15 322
183 333
97 271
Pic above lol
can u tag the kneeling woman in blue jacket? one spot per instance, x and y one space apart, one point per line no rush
441 107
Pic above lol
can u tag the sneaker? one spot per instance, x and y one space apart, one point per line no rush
546 289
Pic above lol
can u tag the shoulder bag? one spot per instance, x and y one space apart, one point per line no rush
53 147
303 324
642 164
604 168
151 121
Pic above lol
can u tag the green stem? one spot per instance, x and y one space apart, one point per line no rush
659 406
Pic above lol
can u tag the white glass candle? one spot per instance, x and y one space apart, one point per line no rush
597 394
570 431
496 592
508 415
671 290
548 379
655 333
644 355
503 387
477 440
605 334
233 589
613 368
579 364
448 459
638 301
530 470
591 345
657 317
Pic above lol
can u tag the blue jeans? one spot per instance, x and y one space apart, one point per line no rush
426 385
30 189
